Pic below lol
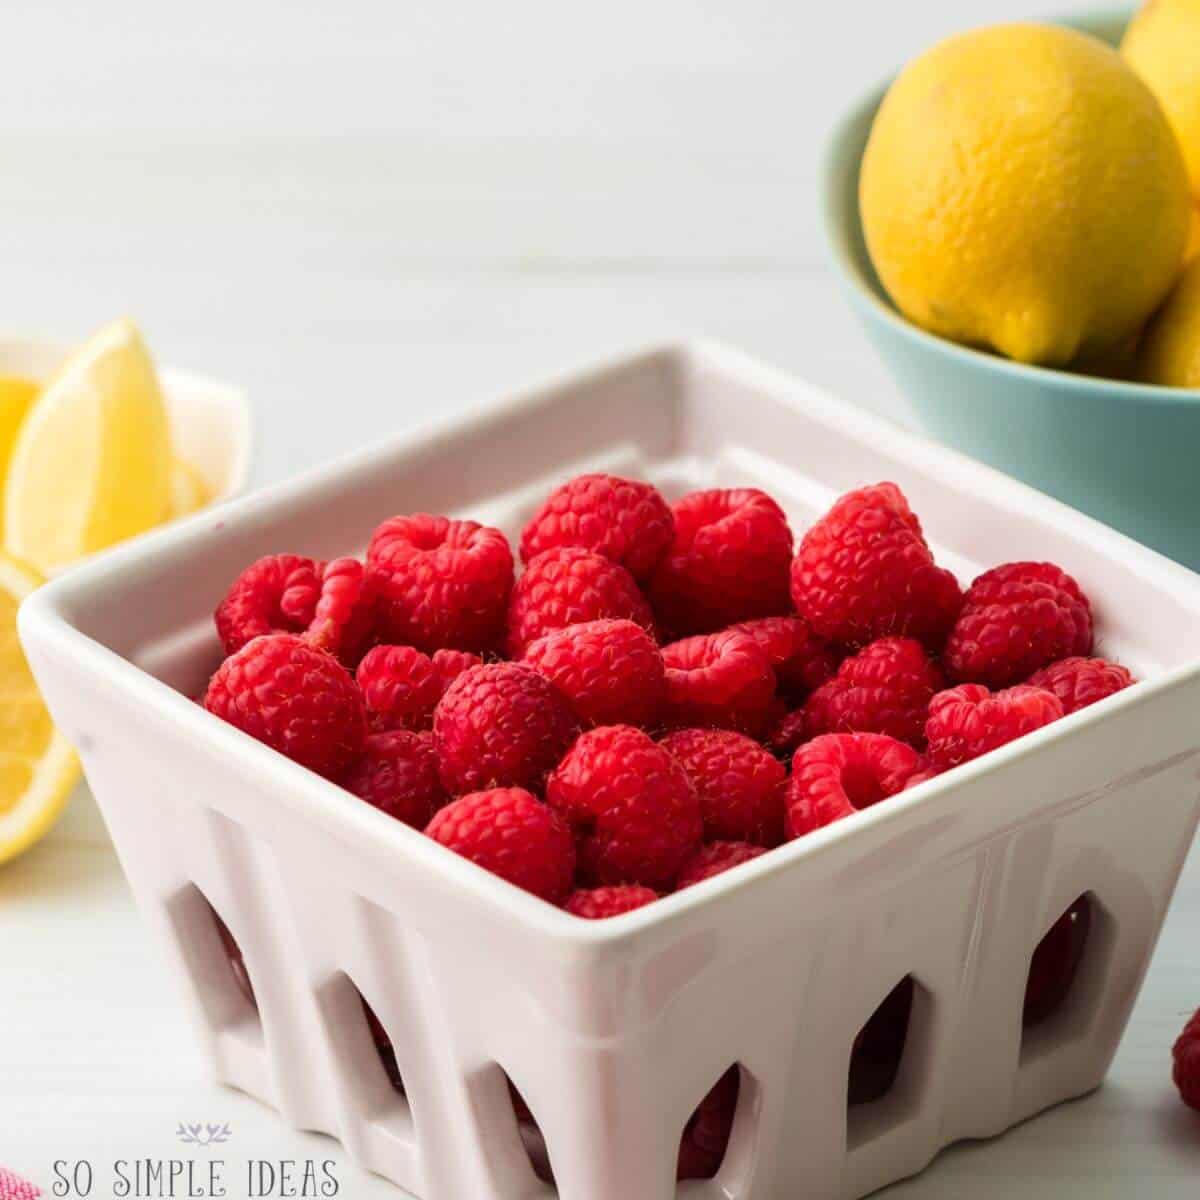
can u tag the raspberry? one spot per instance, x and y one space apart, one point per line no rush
1078 682
568 587
884 688
925 774
277 594
727 562
1018 618
441 583
839 774
611 671
720 680
500 725
1186 1059
801 660
344 621
1055 962
624 520
706 1135
294 698
450 664
714 858
786 733
740 786
967 721
634 811
512 834
398 774
864 571
401 687
598 903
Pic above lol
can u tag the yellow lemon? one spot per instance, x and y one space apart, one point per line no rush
38 768
1193 246
1021 190
1170 348
16 398
188 490
92 461
1162 44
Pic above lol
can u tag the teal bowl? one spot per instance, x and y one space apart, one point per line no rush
1126 453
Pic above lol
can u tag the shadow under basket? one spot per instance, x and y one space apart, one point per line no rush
819 1022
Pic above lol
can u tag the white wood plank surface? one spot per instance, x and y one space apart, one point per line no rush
392 210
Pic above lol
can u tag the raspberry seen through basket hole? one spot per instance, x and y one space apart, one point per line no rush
879 1047
1054 965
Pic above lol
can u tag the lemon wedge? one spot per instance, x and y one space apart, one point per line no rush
38 768
188 490
92 461
16 399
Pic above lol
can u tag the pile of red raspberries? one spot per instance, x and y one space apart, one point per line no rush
663 693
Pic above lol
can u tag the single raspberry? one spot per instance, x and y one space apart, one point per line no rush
728 561
864 571
839 774
624 520
786 733
450 664
884 688
1055 962
511 833
801 660
500 725
294 698
1078 682
633 809
276 594
924 775
397 773
597 903
718 680
611 671
968 720
441 583
400 686
1018 618
706 1135
714 858
344 621
1186 1063
569 586
739 784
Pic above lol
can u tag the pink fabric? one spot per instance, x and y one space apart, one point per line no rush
13 1187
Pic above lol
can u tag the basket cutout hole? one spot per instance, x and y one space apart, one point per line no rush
883 1083
365 1053
532 1141
1066 977
216 963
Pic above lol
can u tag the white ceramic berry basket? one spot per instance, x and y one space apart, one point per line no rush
614 1030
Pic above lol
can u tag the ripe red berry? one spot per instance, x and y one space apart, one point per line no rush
632 807
294 698
1079 682
786 733
344 621
611 671
514 835
441 583
397 773
276 594
839 774
400 686
625 520
595 904
967 721
569 586
715 858
1018 618
450 664
706 1135
727 562
1055 962
884 688
718 680
801 660
740 785
1186 1063
500 725
864 571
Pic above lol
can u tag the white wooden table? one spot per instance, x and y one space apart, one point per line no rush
370 217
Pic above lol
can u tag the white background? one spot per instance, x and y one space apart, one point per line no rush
370 213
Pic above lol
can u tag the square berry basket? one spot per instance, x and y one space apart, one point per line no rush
612 1031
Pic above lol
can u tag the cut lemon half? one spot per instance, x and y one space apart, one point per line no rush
92 461
188 491
38 768
16 399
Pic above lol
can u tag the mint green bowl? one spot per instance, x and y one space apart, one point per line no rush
1126 453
